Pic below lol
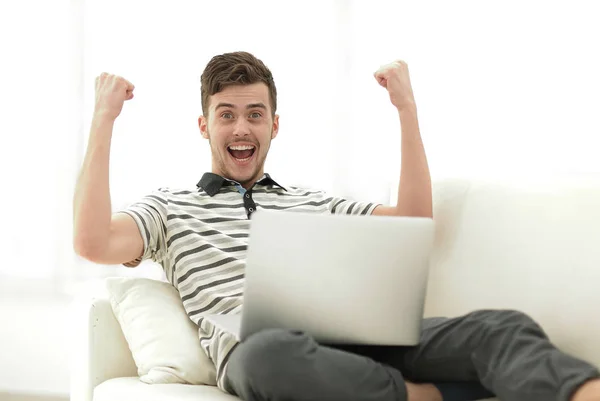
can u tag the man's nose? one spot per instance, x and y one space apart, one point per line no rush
242 127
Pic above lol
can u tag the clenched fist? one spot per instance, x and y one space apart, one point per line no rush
395 78
111 92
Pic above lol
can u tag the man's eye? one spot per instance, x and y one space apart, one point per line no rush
227 115
256 115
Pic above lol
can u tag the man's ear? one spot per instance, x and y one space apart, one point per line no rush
203 124
275 126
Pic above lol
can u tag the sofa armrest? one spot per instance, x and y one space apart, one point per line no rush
99 349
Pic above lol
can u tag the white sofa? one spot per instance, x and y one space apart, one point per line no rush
532 246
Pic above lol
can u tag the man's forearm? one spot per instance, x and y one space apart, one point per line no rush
92 206
414 190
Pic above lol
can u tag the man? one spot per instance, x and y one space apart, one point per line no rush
200 237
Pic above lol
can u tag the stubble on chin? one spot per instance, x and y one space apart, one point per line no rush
223 163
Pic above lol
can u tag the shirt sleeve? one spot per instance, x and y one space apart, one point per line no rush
150 215
343 206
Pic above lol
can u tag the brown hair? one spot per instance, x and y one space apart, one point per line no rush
238 68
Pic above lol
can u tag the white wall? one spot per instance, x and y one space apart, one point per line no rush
34 345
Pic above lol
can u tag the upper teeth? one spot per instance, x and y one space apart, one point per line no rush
241 147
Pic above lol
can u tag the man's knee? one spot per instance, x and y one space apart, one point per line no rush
494 320
505 316
267 358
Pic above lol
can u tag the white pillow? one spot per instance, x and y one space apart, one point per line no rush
163 340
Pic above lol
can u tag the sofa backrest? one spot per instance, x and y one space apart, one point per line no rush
530 246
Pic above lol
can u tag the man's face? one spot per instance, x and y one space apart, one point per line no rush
239 127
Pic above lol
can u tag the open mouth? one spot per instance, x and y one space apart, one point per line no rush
241 153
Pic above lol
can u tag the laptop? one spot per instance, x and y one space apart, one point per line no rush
342 279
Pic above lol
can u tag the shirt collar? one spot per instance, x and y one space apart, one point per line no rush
212 183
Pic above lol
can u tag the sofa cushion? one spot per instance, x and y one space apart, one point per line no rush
530 245
164 342
131 389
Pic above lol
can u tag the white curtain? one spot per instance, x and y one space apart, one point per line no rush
503 90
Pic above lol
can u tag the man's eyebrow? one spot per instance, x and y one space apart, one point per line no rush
259 105
228 105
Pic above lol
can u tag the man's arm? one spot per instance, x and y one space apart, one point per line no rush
97 235
414 190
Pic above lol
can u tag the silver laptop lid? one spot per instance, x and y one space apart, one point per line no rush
342 279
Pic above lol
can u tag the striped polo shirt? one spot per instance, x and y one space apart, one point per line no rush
200 237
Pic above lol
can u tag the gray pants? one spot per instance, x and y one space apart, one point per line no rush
504 352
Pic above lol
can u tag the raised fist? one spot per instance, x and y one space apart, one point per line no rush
111 92
395 78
